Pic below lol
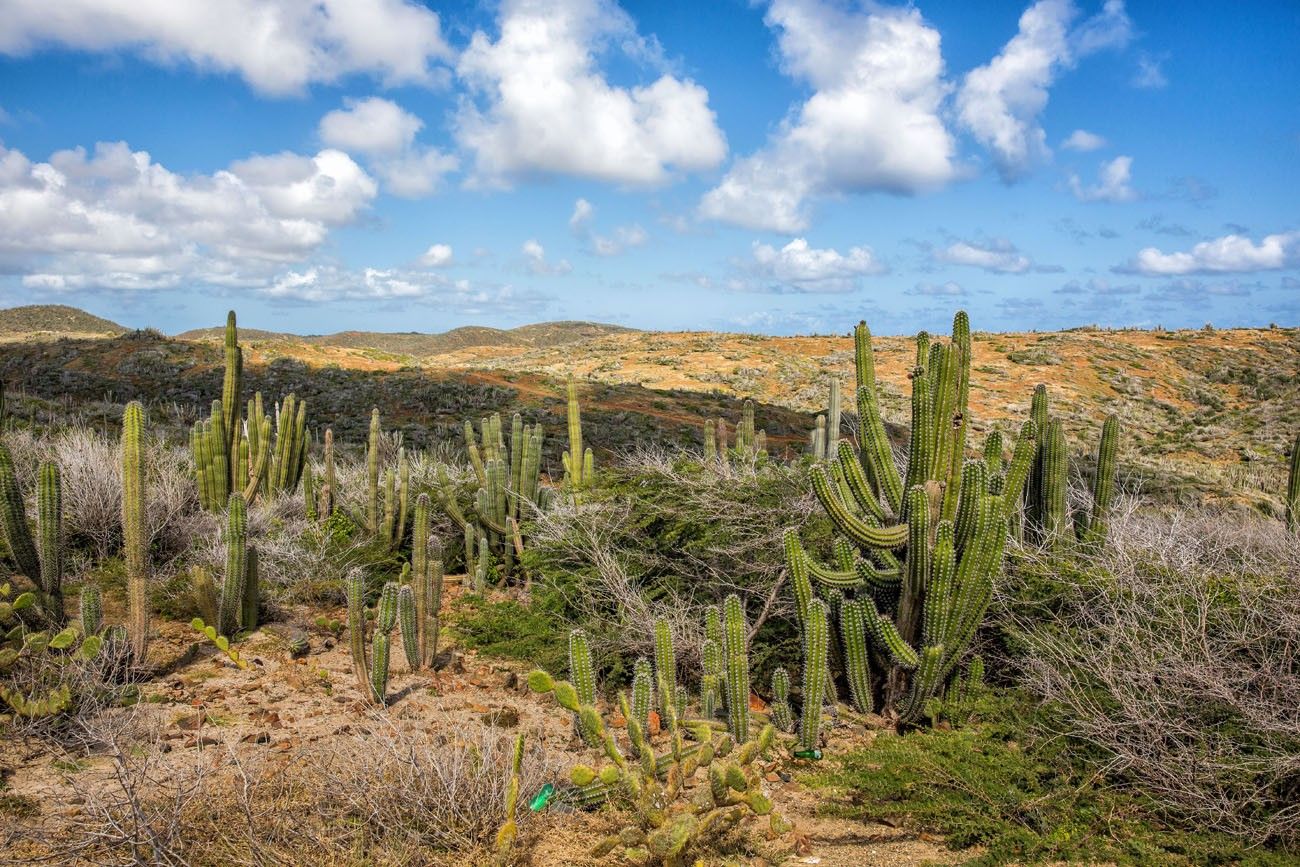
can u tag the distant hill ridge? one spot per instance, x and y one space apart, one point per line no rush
540 335
54 319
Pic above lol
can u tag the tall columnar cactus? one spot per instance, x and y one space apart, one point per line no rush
711 679
505 839
385 620
750 442
579 463
135 533
1047 516
642 692
782 716
355 586
92 611
665 662
1293 488
426 584
816 636
13 517
735 659
234 607
580 670
825 436
508 488
919 545
408 624
49 528
238 455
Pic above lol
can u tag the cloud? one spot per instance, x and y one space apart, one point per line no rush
809 269
1149 75
948 289
1229 254
1098 287
384 132
1000 102
1112 183
371 126
535 256
872 123
998 256
1156 223
540 105
437 256
1082 140
329 283
277 46
117 219
622 239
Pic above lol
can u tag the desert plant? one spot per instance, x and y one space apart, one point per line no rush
371 673
579 463
782 716
135 535
750 443
40 561
824 438
1293 488
505 840
919 550
235 607
508 485
18 647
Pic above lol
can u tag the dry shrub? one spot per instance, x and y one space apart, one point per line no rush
387 795
1176 654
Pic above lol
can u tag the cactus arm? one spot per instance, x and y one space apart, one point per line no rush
877 454
851 468
917 570
735 654
408 621
1103 485
849 524
13 517
1022 462
853 635
49 530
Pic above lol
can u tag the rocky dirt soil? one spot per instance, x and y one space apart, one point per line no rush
204 713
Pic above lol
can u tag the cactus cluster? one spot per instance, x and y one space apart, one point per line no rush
667 826
750 443
579 463
918 549
507 486
319 494
234 607
17 643
1046 516
241 455
40 560
135 533
372 669
422 590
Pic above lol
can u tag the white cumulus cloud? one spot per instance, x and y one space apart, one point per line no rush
535 258
620 240
1082 140
117 219
277 46
1113 183
437 256
539 103
384 133
814 270
1229 254
1000 102
998 256
327 283
871 124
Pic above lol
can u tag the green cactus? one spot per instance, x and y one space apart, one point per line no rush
408 623
355 586
372 475
92 612
13 517
1103 483
381 643
134 530
817 439
782 716
711 679
1293 488
853 635
919 547
665 662
49 528
505 839
230 609
579 463
815 642
252 603
580 670
642 692
735 657
710 440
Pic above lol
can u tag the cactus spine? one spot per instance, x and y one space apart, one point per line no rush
735 653
815 639
134 532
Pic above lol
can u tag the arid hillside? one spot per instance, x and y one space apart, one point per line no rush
1204 409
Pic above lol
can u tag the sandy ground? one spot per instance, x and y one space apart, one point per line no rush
285 710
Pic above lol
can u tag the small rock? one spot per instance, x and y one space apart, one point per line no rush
256 738
512 681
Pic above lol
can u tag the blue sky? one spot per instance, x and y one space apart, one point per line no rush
784 167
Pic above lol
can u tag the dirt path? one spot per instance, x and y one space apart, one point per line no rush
283 709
